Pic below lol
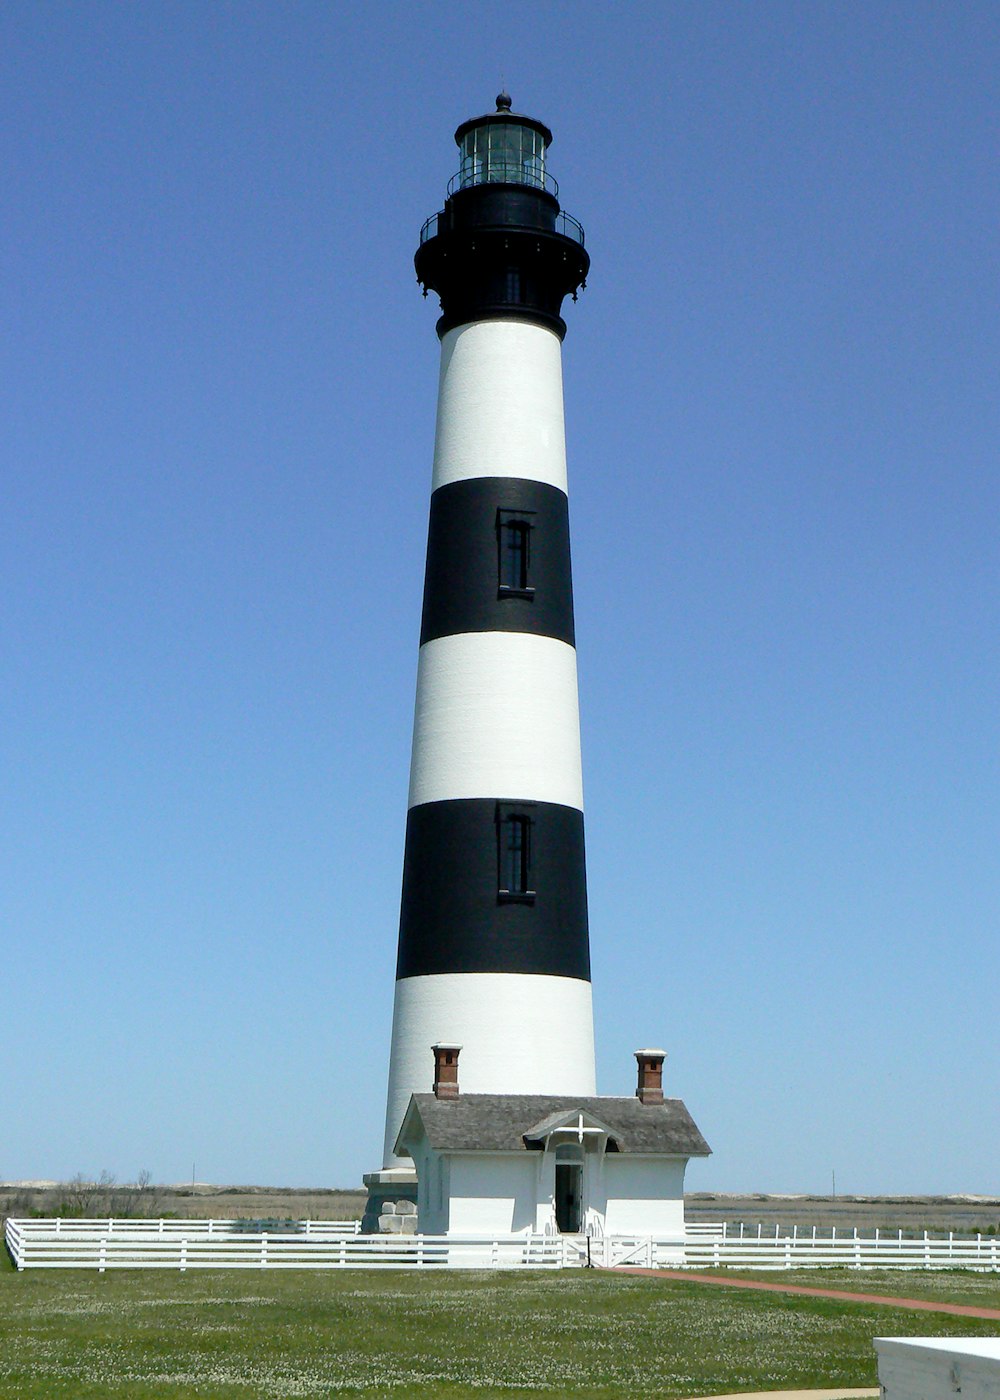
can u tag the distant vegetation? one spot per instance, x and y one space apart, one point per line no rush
83 1197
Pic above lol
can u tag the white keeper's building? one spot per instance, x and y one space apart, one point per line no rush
502 1163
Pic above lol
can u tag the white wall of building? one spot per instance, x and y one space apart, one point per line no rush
500 404
433 1190
504 1192
492 1192
643 1195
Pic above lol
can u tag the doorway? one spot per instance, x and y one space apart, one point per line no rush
569 1189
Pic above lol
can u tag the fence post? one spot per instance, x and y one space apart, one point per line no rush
184 1255
102 1259
58 1224
263 1249
927 1251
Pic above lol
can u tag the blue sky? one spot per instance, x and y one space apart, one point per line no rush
217 393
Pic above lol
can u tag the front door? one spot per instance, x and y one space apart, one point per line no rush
569 1183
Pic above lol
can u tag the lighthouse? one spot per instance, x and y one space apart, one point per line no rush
493 953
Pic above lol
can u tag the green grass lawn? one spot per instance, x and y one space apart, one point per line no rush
589 1334
932 1285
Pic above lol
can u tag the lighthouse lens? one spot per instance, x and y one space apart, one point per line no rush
503 152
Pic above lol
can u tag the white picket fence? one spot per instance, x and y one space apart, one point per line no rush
804 1248
193 1229
137 1244
229 1244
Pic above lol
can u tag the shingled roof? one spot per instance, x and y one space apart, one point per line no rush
504 1122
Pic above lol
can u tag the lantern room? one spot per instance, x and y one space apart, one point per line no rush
503 148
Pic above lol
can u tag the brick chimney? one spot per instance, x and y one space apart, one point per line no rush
446 1071
650 1087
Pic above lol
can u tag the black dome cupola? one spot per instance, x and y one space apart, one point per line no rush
501 247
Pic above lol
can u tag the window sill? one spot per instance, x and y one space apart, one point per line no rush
505 591
515 897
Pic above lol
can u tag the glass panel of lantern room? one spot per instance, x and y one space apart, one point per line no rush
502 153
505 152
534 159
471 167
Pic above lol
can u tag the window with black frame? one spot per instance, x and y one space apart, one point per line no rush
514 554
514 855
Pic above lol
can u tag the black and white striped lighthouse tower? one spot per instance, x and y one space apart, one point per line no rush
493 941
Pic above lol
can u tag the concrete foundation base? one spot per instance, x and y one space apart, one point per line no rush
391 1184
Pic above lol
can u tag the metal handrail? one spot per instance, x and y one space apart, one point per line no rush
430 226
497 172
565 225
569 227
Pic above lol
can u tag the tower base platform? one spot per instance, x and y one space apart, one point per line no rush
391 1184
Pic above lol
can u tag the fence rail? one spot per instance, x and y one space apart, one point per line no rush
193 1229
35 1244
230 1244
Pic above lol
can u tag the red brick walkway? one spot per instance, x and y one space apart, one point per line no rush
918 1304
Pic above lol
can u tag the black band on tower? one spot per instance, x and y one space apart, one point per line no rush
494 886
498 560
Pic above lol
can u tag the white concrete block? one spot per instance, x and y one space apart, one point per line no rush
939 1368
